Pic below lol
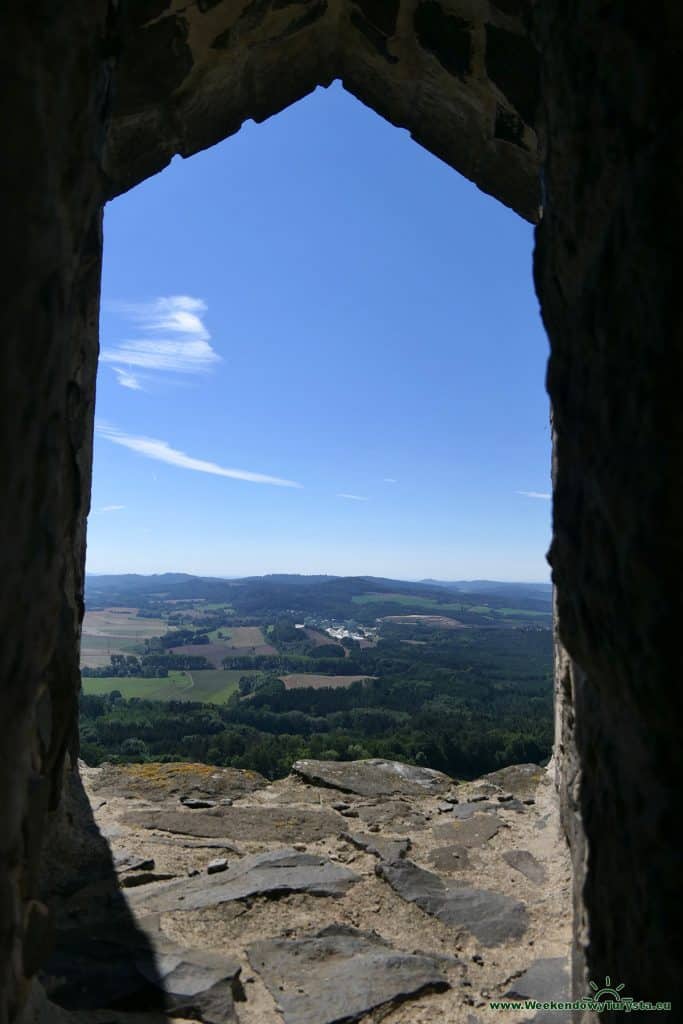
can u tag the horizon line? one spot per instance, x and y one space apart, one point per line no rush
331 575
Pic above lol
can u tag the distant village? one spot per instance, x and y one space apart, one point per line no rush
349 628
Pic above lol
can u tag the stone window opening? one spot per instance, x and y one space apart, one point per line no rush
112 96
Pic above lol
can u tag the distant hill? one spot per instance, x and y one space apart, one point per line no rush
365 599
492 587
285 579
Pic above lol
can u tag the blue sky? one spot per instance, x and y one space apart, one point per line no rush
321 352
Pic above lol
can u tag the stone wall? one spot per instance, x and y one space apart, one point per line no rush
54 94
98 96
460 75
610 298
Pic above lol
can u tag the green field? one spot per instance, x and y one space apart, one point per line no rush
176 686
214 686
208 686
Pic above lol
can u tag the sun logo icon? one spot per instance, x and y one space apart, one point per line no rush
606 990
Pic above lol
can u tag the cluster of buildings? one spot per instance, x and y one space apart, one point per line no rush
340 630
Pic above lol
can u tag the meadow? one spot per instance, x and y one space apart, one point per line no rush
208 686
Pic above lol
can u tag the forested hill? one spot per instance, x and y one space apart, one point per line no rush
363 598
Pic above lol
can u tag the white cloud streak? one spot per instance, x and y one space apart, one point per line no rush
390 480
127 380
153 448
352 497
544 495
111 508
173 338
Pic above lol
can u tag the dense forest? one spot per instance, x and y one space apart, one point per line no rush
463 701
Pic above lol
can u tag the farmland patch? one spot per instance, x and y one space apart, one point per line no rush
206 686
175 686
115 631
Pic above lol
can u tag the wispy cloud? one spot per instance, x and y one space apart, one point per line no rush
535 494
171 337
153 448
352 497
127 379
111 508
390 480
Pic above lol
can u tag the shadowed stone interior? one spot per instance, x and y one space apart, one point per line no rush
98 96
461 76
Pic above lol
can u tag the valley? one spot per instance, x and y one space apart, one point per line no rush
257 673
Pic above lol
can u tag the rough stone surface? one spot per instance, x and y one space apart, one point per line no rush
143 878
470 833
373 777
216 865
386 849
126 861
610 298
262 874
519 780
469 809
525 862
490 916
545 981
396 814
55 103
449 858
340 974
191 783
119 969
462 78
270 894
261 823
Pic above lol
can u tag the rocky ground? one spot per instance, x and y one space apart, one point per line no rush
346 892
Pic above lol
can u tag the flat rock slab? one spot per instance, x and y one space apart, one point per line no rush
126 861
386 849
340 974
262 874
126 967
397 814
468 810
373 777
260 824
473 832
491 917
526 863
522 780
180 843
130 881
513 804
544 981
449 858
159 781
